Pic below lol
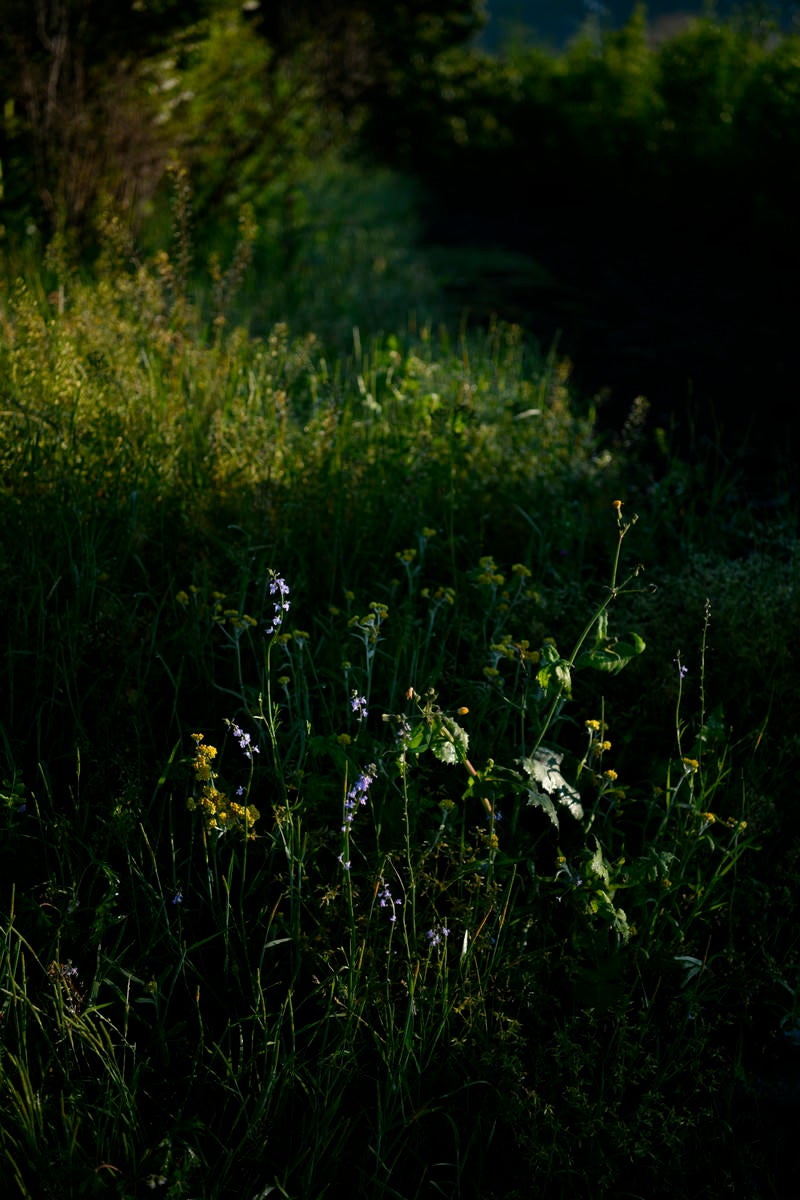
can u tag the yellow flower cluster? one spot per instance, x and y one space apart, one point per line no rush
233 617
710 818
220 813
230 616
370 625
488 573
442 595
514 651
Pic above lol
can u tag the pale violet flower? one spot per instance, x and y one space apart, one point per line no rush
386 900
244 739
278 588
438 935
358 795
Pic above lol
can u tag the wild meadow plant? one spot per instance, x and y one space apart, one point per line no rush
339 945
444 890
370 964
326 864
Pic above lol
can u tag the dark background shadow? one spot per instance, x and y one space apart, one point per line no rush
686 293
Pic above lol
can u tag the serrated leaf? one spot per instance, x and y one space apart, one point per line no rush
537 799
544 768
597 865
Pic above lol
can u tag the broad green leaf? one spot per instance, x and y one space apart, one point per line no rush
609 654
420 738
553 676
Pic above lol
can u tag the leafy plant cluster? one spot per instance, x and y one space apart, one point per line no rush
365 823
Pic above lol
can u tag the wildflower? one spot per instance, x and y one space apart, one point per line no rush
203 757
437 935
403 730
219 813
177 898
65 974
182 598
62 970
526 655
611 775
244 740
279 588
358 795
427 532
521 570
386 900
359 706
594 725
503 648
690 765
345 865
616 504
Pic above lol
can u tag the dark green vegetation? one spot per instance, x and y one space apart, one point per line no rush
398 750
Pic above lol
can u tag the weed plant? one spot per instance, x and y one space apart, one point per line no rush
333 858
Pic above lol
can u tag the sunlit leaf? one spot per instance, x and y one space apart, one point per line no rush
544 768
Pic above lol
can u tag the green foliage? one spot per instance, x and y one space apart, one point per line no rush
262 127
325 865
80 121
651 131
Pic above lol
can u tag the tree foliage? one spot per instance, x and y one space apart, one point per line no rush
76 116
